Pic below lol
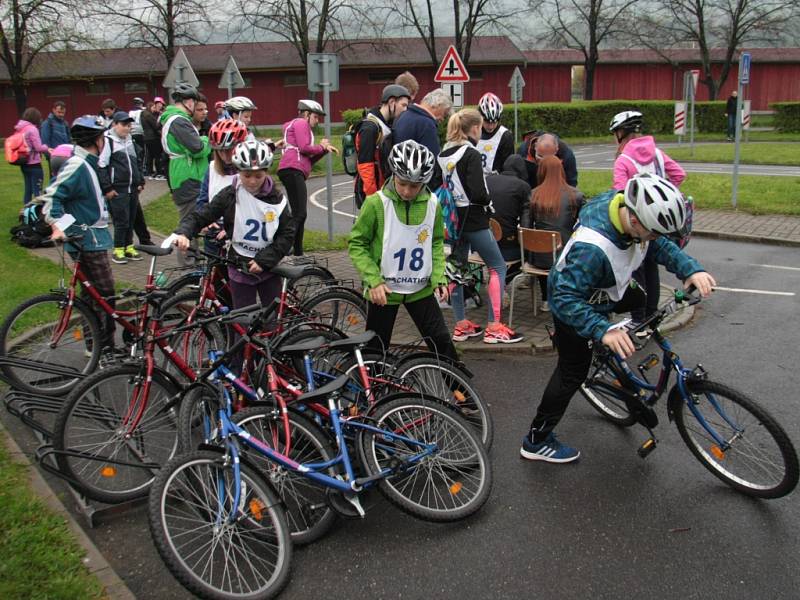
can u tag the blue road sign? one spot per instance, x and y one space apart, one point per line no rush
744 68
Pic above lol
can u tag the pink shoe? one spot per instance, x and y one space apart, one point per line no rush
466 329
500 334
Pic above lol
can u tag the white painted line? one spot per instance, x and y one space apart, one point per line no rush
744 291
776 267
313 199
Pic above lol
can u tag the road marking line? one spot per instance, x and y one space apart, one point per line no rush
313 199
776 267
745 291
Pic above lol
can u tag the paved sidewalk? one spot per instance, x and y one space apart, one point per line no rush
740 226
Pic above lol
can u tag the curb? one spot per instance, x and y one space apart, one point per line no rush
743 237
113 586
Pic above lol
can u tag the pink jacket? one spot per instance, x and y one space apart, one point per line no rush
299 152
643 151
31 134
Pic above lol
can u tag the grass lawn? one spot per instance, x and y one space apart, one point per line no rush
40 557
758 195
754 154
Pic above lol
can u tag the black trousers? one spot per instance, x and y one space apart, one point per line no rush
427 317
574 361
295 184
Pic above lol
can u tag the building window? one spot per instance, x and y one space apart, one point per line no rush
56 91
382 77
136 87
97 89
578 72
295 79
475 74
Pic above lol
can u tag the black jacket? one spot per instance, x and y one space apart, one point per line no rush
223 206
151 128
470 171
120 165
511 199
504 149
566 155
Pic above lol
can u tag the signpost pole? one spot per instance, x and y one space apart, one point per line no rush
691 113
744 77
326 101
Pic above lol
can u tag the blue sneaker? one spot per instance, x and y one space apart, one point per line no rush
550 450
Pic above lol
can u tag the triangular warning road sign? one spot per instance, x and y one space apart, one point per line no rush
180 71
231 77
452 68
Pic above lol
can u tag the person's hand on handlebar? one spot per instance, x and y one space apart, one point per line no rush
703 281
619 341
57 234
182 242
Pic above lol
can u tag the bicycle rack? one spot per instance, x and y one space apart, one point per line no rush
37 411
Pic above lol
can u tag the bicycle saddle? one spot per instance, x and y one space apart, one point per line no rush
304 346
326 390
352 342
154 250
288 271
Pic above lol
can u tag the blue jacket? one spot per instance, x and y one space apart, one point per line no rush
54 131
419 125
74 192
587 270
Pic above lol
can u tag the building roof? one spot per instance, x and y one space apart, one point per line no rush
259 56
645 55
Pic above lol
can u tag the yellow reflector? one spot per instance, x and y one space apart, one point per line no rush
256 506
77 334
353 319
455 488
718 452
108 471
459 396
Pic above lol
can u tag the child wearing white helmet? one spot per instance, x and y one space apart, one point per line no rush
497 141
256 218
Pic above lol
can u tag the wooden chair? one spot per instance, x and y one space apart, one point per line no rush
497 232
541 242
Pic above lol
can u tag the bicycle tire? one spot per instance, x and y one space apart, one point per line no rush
459 474
191 345
313 280
759 432
339 308
92 421
182 512
307 510
197 418
26 334
449 383
600 390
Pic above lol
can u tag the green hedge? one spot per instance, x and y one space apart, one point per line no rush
581 119
787 116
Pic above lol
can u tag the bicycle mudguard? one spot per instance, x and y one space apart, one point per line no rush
675 397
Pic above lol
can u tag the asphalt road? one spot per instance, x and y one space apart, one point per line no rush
609 526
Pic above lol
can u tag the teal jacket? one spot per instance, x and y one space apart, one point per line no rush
366 240
74 193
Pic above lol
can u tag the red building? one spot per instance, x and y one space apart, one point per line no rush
276 78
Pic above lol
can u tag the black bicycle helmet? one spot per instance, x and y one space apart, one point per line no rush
86 129
394 91
628 121
185 91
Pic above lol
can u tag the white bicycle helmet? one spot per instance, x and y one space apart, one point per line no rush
490 107
310 106
239 103
629 120
252 156
411 161
657 204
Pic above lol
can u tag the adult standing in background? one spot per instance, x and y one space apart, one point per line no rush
55 130
32 173
299 155
730 114
151 131
107 110
408 81
137 134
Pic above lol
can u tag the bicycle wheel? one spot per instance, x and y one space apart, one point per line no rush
197 419
313 280
605 394
341 309
449 383
309 515
758 460
450 484
96 420
193 344
31 332
210 554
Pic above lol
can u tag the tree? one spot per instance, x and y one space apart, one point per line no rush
29 27
584 25
162 24
707 24
312 26
471 18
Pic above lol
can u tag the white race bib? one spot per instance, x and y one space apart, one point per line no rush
255 223
488 149
407 257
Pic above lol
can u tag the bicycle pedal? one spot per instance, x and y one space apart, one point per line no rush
647 447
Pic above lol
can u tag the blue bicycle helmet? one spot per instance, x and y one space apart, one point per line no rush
86 129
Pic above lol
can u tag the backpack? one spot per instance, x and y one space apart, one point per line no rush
17 151
349 152
449 213
32 231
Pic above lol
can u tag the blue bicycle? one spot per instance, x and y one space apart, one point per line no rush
729 433
222 529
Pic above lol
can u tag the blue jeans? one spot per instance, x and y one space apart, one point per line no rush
731 126
33 176
484 244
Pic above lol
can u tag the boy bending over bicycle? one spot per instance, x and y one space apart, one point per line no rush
74 205
397 246
591 279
